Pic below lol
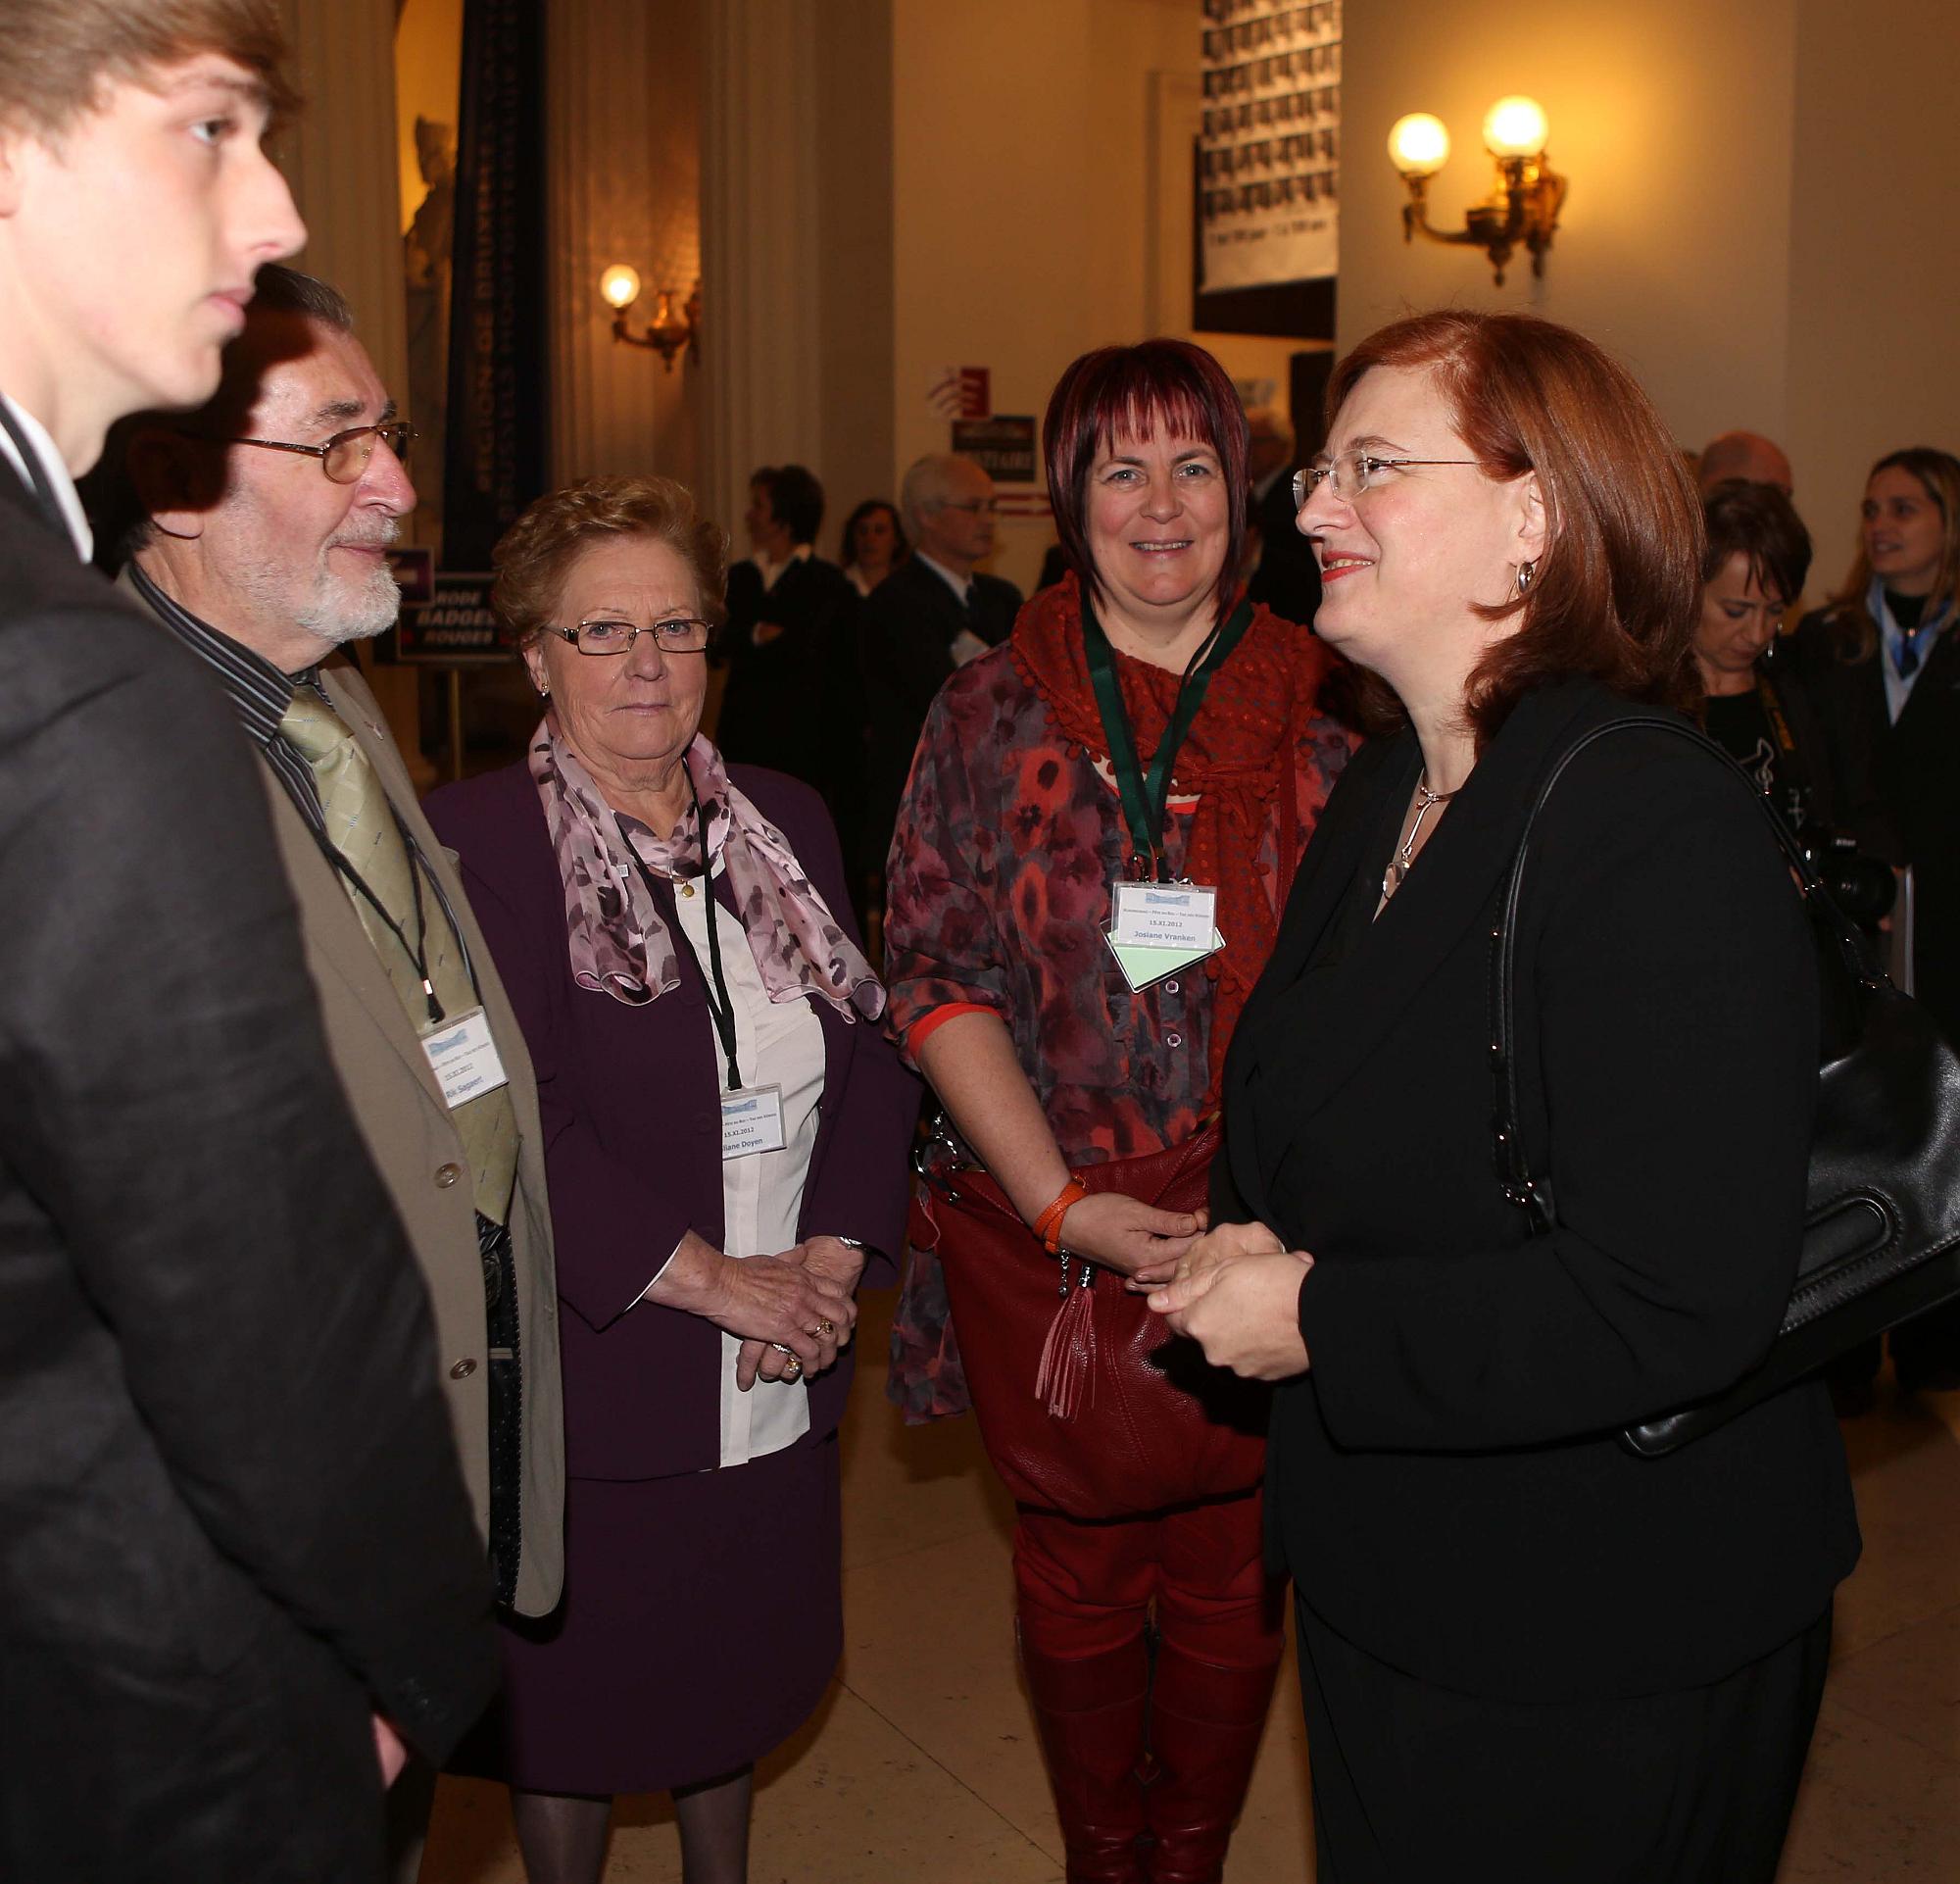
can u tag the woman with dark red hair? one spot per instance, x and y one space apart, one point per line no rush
1526 1652
1100 828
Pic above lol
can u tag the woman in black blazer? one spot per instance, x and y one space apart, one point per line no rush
1526 1653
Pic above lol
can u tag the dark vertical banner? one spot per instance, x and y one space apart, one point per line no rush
494 458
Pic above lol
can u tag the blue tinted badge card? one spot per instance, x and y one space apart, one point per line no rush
752 1122
464 1059
1165 916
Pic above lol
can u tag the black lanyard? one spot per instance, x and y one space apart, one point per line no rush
1145 799
721 1004
418 950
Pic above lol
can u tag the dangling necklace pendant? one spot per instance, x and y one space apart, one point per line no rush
1404 860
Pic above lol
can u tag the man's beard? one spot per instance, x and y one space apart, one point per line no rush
340 610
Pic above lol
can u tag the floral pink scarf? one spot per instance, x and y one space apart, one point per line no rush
620 946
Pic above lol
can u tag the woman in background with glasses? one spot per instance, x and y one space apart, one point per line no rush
727 1133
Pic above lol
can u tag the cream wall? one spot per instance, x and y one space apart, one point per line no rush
1874 262
340 158
623 132
1673 119
1759 222
1021 145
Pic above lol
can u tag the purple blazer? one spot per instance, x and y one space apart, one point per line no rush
628 1099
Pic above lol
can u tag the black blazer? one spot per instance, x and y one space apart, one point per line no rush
1442 1481
1288 578
908 625
232 1517
1903 781
791 701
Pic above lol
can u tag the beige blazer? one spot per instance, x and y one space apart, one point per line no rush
400 1112
400 1109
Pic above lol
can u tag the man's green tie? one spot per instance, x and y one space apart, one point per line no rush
360 826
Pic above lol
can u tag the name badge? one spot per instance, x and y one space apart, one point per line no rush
464 1059
1165 916
752 1122
1143 967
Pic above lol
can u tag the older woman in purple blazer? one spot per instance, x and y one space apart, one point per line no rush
726 1130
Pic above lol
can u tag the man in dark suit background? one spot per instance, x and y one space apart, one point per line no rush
1287 579
233 1536
789 642
935 612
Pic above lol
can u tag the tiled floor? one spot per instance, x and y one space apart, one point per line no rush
921 1763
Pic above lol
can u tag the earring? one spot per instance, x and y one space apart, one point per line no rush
1527 575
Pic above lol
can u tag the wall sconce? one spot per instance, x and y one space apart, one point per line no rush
668 331
1523 207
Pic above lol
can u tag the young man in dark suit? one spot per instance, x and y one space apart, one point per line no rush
935 612
233 1531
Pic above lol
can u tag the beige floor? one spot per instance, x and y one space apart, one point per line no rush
921 1763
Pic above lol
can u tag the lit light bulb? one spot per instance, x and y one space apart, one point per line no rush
1419 144
620 285
1515 128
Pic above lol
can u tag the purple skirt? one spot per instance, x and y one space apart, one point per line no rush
703 1617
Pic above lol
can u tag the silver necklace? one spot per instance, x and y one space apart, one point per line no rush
1426 800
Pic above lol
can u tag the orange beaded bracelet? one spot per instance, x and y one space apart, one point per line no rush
1048 1226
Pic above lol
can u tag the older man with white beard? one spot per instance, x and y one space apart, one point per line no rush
264 523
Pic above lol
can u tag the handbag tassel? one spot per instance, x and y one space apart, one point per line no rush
1068 1355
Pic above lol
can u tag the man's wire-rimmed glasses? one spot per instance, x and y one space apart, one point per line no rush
345 456
1350 472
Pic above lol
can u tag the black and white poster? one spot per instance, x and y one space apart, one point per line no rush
1270 148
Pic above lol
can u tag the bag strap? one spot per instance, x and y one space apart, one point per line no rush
1533 1195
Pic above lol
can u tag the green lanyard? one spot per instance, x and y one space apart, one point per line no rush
1144 799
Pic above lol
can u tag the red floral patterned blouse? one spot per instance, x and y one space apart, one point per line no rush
998 883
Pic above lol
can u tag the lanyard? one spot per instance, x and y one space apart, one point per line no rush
721 1004
1144 799
418 950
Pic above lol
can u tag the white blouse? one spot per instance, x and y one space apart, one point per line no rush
782 1046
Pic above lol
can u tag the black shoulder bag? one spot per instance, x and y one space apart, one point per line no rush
1882 1221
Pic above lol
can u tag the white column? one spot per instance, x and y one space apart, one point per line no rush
764 261
341 158
623 124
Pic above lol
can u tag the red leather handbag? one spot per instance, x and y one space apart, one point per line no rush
1088 1404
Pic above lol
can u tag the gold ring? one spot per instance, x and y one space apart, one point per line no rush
824 1330
792 1368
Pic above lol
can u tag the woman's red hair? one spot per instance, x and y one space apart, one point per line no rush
1617 592
1136 389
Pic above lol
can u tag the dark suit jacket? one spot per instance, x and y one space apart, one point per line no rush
632 1145
1288 578
791 701
1443 1478
910 622
231 1518
1902 783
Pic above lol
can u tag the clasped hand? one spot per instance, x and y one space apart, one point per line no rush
1236 1293
800 1294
